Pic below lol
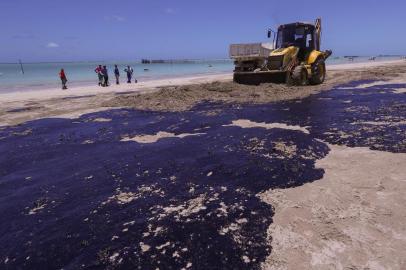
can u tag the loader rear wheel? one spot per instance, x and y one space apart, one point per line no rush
299 76
318 72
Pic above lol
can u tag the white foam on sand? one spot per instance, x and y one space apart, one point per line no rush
380 123
379 83
101 120
400 91
79 113
398 80
156 137
243 123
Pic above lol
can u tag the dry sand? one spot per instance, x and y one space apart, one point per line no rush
156 137
243 123
175 94
353 218
177 98
85 90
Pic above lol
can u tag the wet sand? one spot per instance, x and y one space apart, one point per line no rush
266 177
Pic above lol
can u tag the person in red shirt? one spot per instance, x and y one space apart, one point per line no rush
99 73
63 79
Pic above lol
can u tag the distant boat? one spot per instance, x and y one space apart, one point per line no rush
146 69
351 57
210 66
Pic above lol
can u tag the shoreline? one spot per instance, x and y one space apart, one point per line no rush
178 94
89 88
7 89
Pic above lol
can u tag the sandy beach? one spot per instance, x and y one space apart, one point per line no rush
202 135
174 94
276 176
151 85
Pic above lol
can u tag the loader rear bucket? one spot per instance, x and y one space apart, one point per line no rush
256 78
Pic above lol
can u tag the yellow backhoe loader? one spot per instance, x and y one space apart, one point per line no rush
294 57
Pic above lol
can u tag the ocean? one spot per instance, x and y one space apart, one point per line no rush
45 75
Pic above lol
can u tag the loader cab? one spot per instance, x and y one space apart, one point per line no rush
301 35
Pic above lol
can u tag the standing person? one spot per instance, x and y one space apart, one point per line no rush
117 74
129 70
98 70
105 76
62 76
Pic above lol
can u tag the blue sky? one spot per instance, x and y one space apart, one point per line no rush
70 30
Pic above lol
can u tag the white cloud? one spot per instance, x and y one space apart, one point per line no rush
52 45
116 18
169 11
119 18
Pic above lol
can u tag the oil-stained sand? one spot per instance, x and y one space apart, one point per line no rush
75 195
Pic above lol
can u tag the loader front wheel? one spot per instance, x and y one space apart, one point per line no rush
299 76
318 72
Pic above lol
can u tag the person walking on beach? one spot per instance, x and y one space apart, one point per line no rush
98 70
117 74
129 70
105 76
62 75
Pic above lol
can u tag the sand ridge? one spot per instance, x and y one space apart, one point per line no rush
184 97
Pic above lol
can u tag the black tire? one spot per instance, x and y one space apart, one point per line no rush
318 72
288 79
299 76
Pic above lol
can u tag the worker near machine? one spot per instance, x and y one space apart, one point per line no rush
99 73
105 76
129 70
117 74
63 78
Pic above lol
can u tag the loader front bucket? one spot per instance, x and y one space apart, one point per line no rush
256 78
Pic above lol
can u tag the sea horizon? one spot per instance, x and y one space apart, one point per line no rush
139 60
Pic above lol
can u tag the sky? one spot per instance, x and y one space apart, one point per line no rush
86 30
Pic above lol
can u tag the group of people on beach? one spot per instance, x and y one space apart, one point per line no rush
103 76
